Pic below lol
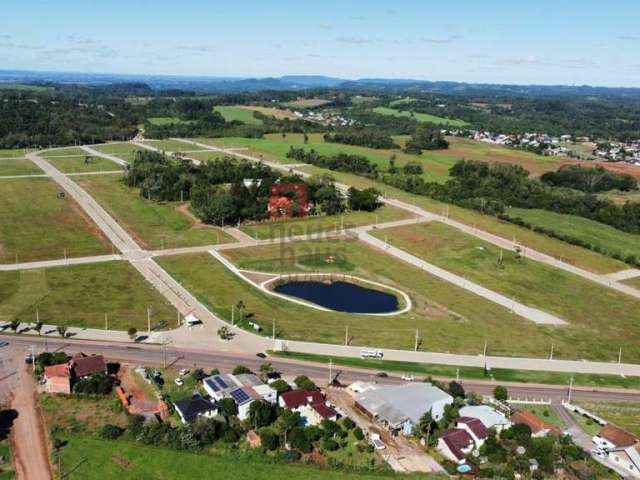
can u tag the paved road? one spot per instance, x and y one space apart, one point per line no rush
226 361
113 158
63 262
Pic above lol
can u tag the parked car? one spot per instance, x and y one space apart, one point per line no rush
184 372
261 355
28 358
382 375
407 377
178 381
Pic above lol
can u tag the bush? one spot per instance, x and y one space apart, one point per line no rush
269 438
289 456
329 445
500 393
305 383
348 423
229 435
299 440
99 384
109 432
240 369
357 432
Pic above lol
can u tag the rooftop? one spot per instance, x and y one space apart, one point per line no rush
193 406
617 436
83 365
489 416
457 440
475 425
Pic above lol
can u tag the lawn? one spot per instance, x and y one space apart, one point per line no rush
36 225
94 459
449 318
598 234
626 415
57 152
6 470
274 148
165 120
18 166
170 145
325 223
82 414
556 248
118 148
81 295
239 114
547 413
12 152
421 117
470 373
278 113
153 224
601 319
79 165
633 282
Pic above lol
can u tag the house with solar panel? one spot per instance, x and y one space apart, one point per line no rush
244 389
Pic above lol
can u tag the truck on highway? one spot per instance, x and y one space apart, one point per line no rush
371 353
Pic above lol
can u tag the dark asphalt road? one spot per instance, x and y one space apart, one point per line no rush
154 355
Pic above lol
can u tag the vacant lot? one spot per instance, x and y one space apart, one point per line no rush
420 117
569 253
170 145
56 152
626 415
598 234
81 295
82 415
155 225
36 225
18 166
83 164
449 318
601 318
326 223
112 460
118 148
238 114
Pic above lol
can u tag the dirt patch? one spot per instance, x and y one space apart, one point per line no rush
120 461
197 223
618 167
141 399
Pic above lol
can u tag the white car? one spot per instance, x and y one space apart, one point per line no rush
408 377
178 381
183 372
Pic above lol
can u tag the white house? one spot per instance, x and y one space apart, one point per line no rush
489 416
243 388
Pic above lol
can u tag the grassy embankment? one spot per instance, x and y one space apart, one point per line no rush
420 117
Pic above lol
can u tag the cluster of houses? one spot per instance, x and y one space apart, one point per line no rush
60 378
542 142
325 117
620 152
247 388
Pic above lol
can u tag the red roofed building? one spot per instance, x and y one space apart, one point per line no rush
311 405
287 200
58 378
539 428
456 444
84 366
611 436
475 428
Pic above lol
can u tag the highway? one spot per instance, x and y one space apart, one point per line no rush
155 355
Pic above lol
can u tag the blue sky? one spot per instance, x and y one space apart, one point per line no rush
544 42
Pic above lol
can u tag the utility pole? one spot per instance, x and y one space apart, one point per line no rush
620 356
551 353
415 347
273 328
458 375
570 388
37 315
484 350
233 314
106 322
330 371
33 358
149 319
346 335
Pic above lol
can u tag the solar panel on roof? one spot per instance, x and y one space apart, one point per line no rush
239 396
221 382
213 385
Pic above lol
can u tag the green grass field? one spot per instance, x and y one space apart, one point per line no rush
36 225
633 282
545 412
6 470
326 223
80 295
18 166
170 145
595 233
420 117
92 459
569 253
625 415
239 114
582 303
118 148
449 318
153 224
165 120
12 152
78 164
57 152
470 373
274 148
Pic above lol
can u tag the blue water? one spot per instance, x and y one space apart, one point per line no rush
341 296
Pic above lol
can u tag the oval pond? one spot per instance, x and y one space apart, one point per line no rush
341 296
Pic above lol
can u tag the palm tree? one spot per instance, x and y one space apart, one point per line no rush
62 330
38 327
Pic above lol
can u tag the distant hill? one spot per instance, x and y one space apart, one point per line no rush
305 82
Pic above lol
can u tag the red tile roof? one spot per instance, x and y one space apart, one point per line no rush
617 436
61 370
298 398
476 426
324 411
457 440
536 424
83 366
